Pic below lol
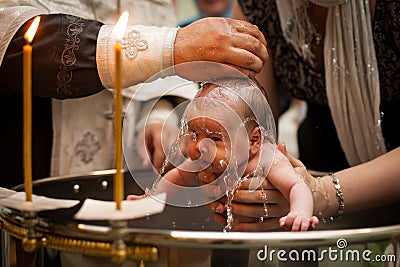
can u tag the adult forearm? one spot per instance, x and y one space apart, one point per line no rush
374 183
368 185
74 57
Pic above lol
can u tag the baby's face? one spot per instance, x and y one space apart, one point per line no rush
210 144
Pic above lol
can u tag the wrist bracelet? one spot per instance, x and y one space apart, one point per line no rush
339 195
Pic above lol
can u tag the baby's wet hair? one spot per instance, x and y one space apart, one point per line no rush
235 92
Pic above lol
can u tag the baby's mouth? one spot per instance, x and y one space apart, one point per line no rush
209 166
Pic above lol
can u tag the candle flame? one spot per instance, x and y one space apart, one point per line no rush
120 27
30 33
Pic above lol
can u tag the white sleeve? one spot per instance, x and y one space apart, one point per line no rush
146 51
11 19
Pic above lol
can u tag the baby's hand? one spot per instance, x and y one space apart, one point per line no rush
298 222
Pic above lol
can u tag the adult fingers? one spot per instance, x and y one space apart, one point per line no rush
212 67
206 177
228 41
247 224
141 149
154 145
271 196
282 147
158 157
296 163
235 71
247 51
258 211
220 219
251 29
267 224
163 139
265 184
247 36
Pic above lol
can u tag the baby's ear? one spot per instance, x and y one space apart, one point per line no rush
255 140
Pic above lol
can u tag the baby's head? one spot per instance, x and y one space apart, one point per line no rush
222 124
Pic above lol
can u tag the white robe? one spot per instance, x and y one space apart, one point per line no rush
83 128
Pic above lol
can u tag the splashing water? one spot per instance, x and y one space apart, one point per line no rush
265 202
229 218
232 178
174 150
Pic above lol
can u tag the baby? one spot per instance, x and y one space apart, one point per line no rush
226 139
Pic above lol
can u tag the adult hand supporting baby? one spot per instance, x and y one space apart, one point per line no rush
247 206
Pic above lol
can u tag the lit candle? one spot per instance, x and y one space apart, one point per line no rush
118 32
27 98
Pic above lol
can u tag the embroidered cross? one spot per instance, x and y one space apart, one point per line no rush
133 44
87 148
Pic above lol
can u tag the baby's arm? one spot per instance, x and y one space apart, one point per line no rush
177 176
284 177
300 216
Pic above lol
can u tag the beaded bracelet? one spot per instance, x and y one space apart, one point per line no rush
339 195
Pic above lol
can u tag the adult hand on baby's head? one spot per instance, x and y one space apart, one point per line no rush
234 42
